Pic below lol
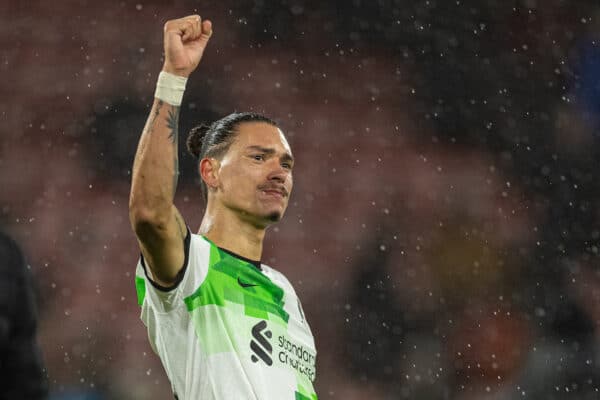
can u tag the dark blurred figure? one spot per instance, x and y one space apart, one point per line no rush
21 369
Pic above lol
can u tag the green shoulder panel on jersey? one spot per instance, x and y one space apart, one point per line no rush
140 289
231 279
300 396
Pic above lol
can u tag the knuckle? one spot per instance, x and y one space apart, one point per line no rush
188 23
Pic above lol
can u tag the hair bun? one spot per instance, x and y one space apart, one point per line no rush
196 138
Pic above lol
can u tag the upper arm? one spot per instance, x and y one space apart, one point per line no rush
162 246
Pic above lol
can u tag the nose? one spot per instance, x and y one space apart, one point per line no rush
278 173
278 176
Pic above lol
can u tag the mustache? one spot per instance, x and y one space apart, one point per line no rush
271 186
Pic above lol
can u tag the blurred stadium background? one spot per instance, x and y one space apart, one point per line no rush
444 228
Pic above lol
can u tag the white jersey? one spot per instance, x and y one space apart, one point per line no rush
230 329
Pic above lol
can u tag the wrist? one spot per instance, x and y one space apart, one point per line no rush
170 87
168 67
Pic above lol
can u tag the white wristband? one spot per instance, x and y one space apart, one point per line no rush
170 88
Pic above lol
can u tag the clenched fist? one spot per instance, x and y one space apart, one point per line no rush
185 40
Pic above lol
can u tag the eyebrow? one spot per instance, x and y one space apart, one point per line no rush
286 156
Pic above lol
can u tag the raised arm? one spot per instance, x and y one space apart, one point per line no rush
157 223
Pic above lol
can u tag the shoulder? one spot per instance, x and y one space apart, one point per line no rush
199 247
191 276
278 277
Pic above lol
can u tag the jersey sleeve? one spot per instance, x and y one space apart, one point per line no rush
193 272
164 312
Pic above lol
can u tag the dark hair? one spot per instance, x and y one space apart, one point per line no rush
214 140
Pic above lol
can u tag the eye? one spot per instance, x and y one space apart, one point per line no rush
286 165
258 157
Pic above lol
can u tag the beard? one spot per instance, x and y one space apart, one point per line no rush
275 216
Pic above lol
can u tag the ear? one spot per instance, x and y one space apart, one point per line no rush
209 172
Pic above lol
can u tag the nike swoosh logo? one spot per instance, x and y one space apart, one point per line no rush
244 284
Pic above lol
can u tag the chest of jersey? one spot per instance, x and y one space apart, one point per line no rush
250 326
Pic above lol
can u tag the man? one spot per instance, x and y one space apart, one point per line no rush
225 325
22 373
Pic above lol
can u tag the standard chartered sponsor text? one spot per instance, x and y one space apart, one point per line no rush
297 357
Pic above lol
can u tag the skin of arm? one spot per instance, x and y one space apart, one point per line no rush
157 223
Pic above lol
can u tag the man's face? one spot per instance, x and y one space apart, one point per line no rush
255 175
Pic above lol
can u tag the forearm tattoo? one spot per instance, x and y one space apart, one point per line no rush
173 125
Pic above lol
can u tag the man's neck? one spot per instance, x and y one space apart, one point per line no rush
227 230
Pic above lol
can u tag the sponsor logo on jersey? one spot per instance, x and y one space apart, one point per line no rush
290 353
297 356
261 345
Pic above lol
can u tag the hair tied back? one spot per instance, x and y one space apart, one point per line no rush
196 138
